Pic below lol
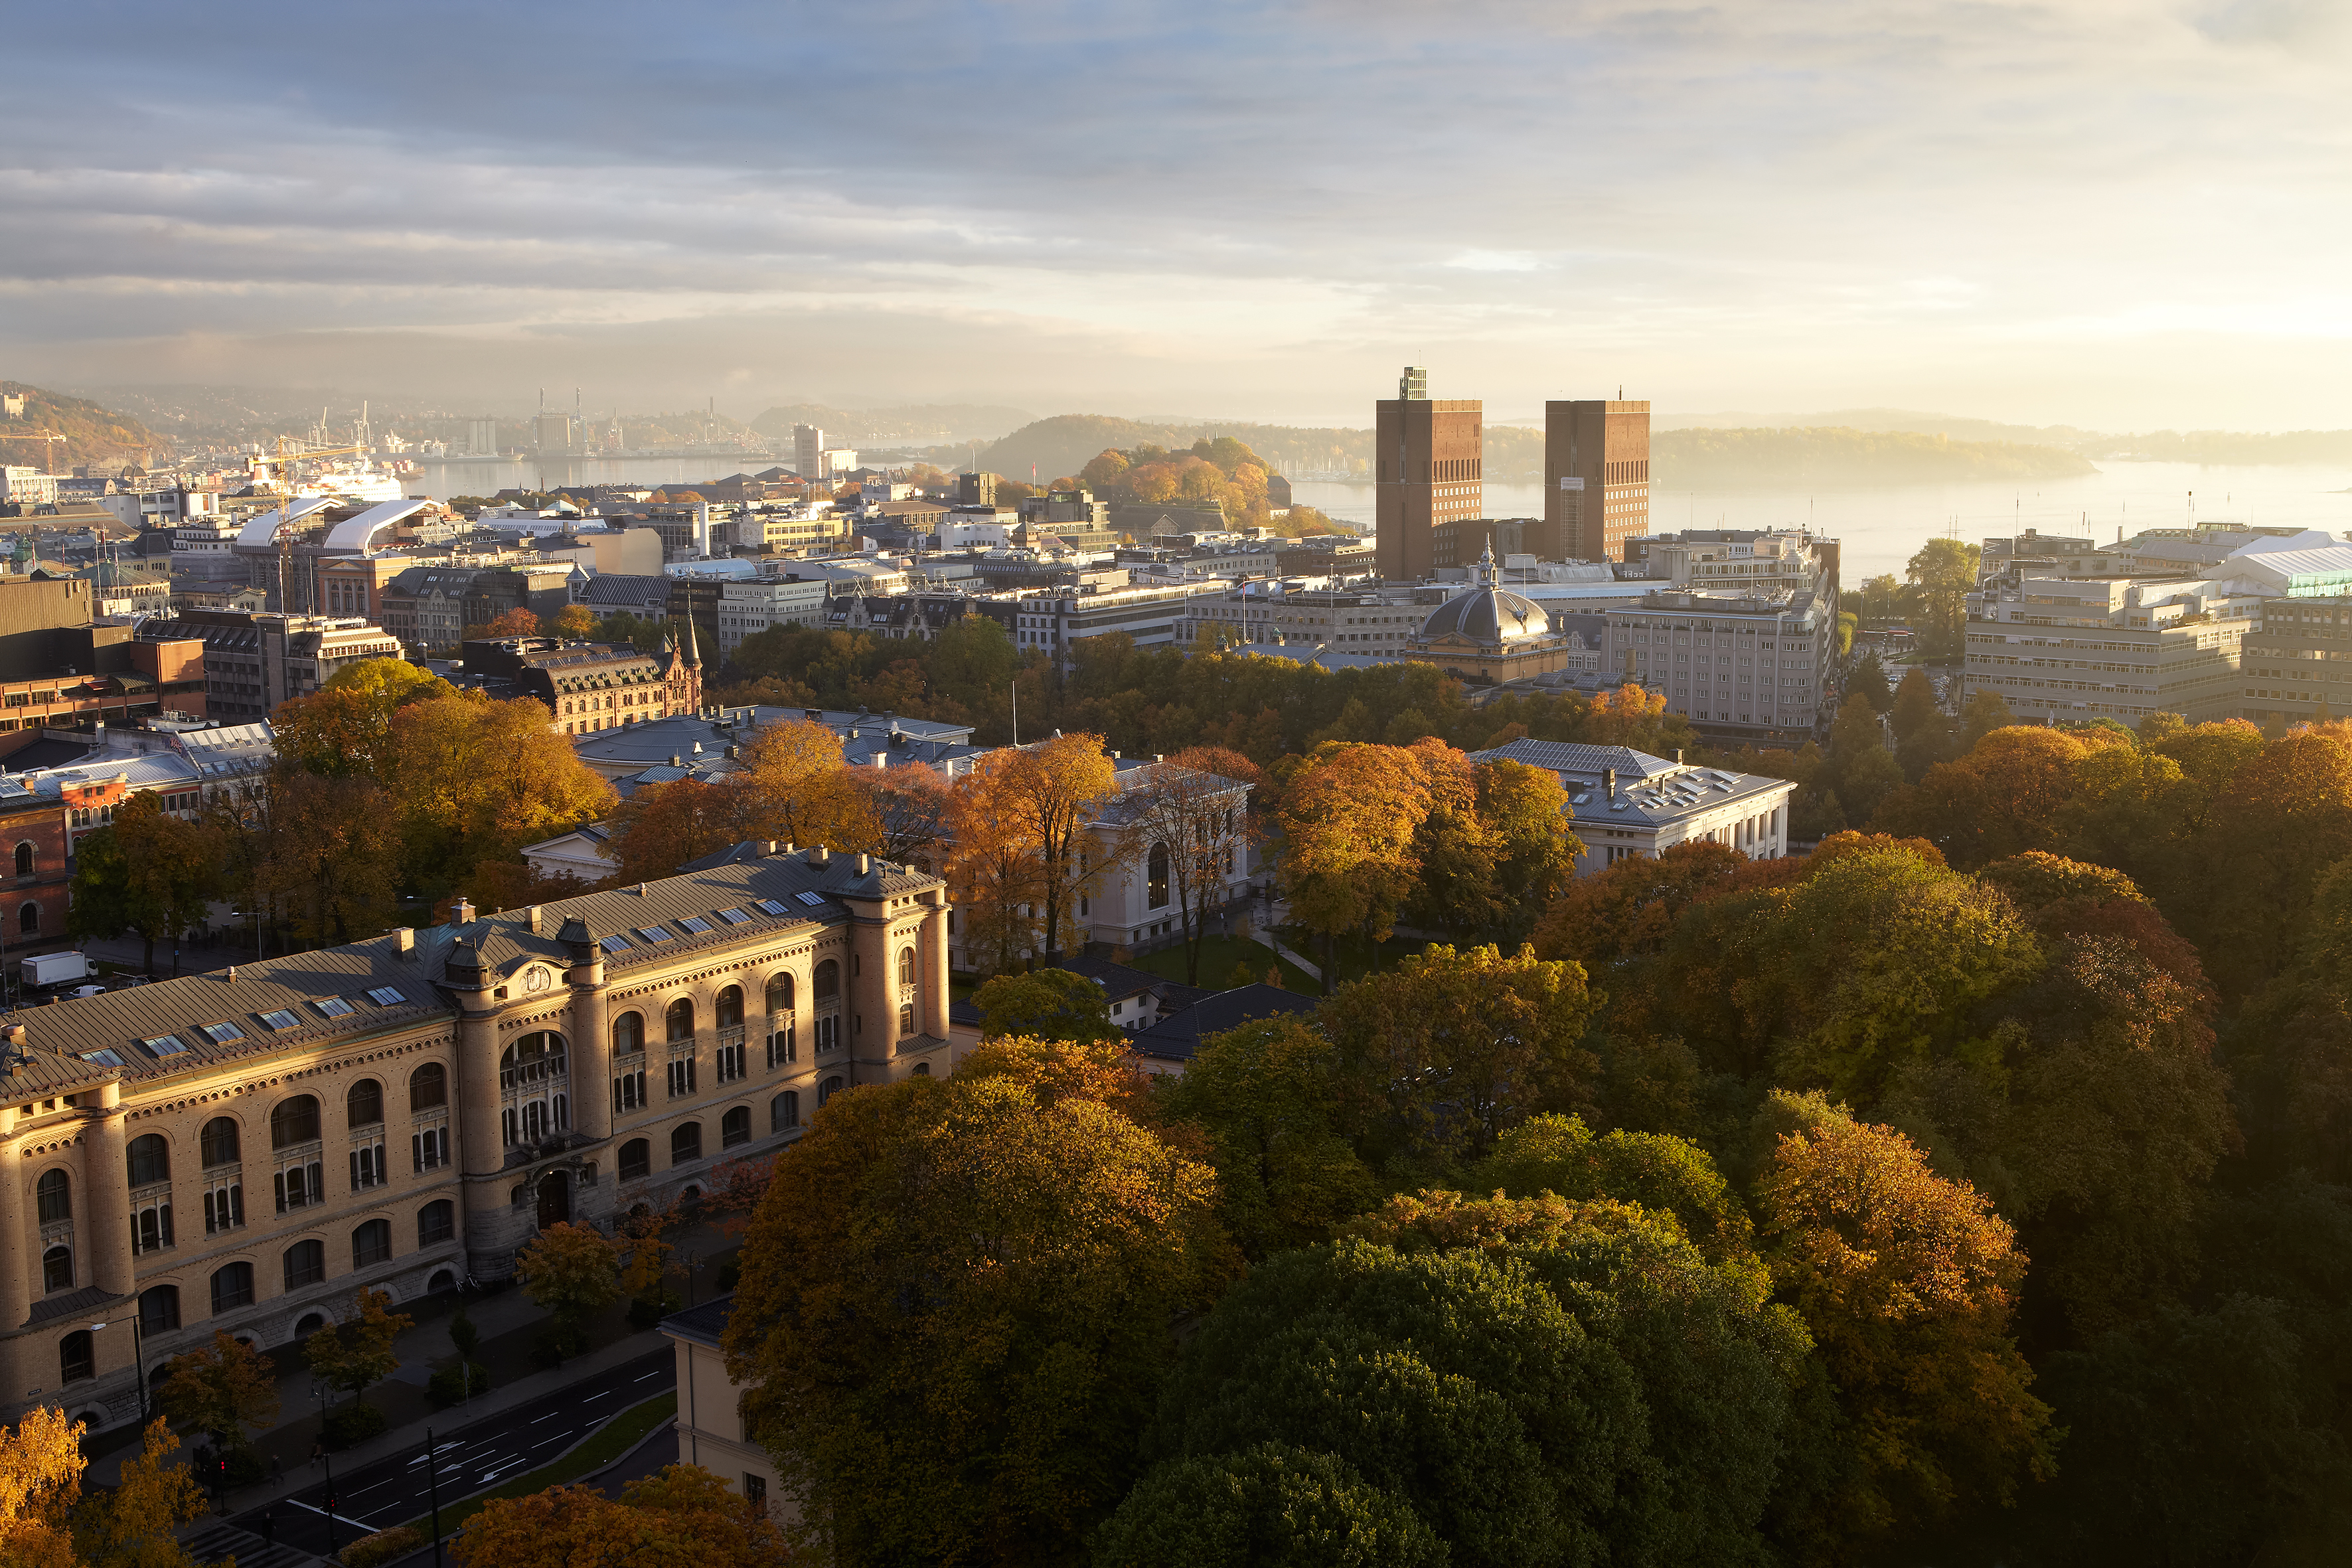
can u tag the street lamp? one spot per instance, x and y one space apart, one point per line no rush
137 1361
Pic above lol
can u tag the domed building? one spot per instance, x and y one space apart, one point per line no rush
1488 634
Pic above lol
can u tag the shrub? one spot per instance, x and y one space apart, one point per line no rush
383 1546
645 1314
352 1424
446 1387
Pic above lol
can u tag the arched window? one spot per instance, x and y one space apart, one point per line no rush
28 918
372 1242
679 1019
636 1160
25 858
628 1033
306 1264
1155 880
780 992
232 1288
922 1069
151 1159
435 1222
294 1120
312 1322
363 1106
906 1019
735 1127
828 1088
77 1357
57 1270
828 982
784 1110
905 966
159 1309
55 1194
685 1142
428 1087
217 1142
730 1007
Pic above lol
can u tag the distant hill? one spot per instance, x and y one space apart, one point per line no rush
93 434
1844 458
925 425
1061 445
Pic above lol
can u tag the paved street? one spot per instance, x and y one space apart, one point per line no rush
392 1489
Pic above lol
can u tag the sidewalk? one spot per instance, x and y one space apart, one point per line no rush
509 1324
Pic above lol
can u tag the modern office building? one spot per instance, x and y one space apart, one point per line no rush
808 452
2296 662
2113 647
1738 635
556 1063
1428 469
1596 478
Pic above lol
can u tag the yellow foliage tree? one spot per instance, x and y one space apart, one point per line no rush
683 1516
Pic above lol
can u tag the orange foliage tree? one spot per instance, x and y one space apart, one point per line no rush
682 1515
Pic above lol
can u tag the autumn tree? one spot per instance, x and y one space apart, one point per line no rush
41 1466
662 827
1942 575
475 780
1347 820
910 809
1269 1503
356 1352
681 1514
573 623
1629 906
1190 817
330 855
220 1390
1054 792
1049 1004
797 790
994 872
572 1272
994 1271
1906 1282
134 1523
344 729
518 622
148 872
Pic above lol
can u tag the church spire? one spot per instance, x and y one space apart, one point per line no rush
687 645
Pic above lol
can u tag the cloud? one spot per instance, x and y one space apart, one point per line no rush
1242 208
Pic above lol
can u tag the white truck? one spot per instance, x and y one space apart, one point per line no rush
42 969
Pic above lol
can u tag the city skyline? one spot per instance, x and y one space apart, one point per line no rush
2114 216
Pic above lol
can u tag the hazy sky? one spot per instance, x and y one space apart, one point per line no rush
2105 211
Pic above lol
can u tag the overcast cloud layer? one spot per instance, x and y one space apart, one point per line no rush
2115 213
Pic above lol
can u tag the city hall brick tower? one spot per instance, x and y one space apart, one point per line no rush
1596 478
1426 472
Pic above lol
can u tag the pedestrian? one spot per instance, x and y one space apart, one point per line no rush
318 1451
268 1529
277 1467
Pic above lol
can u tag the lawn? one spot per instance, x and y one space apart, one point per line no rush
615 1439
1219 955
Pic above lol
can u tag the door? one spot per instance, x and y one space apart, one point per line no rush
554 1199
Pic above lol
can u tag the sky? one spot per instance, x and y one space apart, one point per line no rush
2117 214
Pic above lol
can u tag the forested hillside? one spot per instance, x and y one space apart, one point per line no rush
94 434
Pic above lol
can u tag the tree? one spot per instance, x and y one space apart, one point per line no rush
683 1514
1670 1175
1906 1282
1267 1504
147 872
1943 574
995 875
333 851
661 826
993 1273
345 727
1049 1004
909 809
475 780
1451 1049
41 1466
571 1271
1985 712
799 792
1860 770
1055 792
1631 907
220 1390
357 1352
1348 819
1265 1095
517 622
573 623
1868 681
1190 817
132 1523
1525 810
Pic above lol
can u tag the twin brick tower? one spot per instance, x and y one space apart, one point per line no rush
1430 487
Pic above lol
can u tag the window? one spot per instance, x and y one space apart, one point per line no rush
223 1207
905 966
1155 895
922 1069
24 859
636 1160
628 1033
435 1222
783 1046
679 1019
784 1110
166 1045
159 1309
828 1088
428 1087
695 925
828 982
335 1007
300 1185
655 933
372 1244
681 1076
730 1007
28 918
813 900
429 1149
685 1142
232 1287
306 1264
76 1358
906 1019
294 1120
151 1223
780 992
151 1160
770 906
280 1018
616 943
755 1490
368 1168
734 917
222 1033
735 1127
57 1268
55 1196
386 996
363 1105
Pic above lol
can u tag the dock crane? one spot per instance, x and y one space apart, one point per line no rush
288 453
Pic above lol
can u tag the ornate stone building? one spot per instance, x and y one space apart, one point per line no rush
1489 635
245 1149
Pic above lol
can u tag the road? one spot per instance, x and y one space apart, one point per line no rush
393 1490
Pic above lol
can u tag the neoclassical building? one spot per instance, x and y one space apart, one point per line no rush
245 1149
1488 634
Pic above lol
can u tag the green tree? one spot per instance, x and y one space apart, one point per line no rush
1861 769
1943 574
1868 681
993 1273
1985 712
1267 1504
220 1390
1050 1004
572 1272
356 1352
1915 704
148 872
1554 1153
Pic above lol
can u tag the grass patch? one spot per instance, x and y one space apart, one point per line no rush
611 1441
1218 956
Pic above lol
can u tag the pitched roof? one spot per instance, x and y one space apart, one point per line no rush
704 1322
1178 1036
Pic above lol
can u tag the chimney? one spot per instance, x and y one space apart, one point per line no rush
864 863
534 920
1679 756
675 761
820 856
403 940
1609 783
461 912
769 847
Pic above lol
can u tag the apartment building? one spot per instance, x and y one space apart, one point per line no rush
1054 620
751 605
253 662
589 687
415 1108
2296 661
2109 647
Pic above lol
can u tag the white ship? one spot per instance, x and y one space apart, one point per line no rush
359 482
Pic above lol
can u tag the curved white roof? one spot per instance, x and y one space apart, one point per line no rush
359 532
261 529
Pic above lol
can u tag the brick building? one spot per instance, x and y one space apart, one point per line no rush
1428 469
